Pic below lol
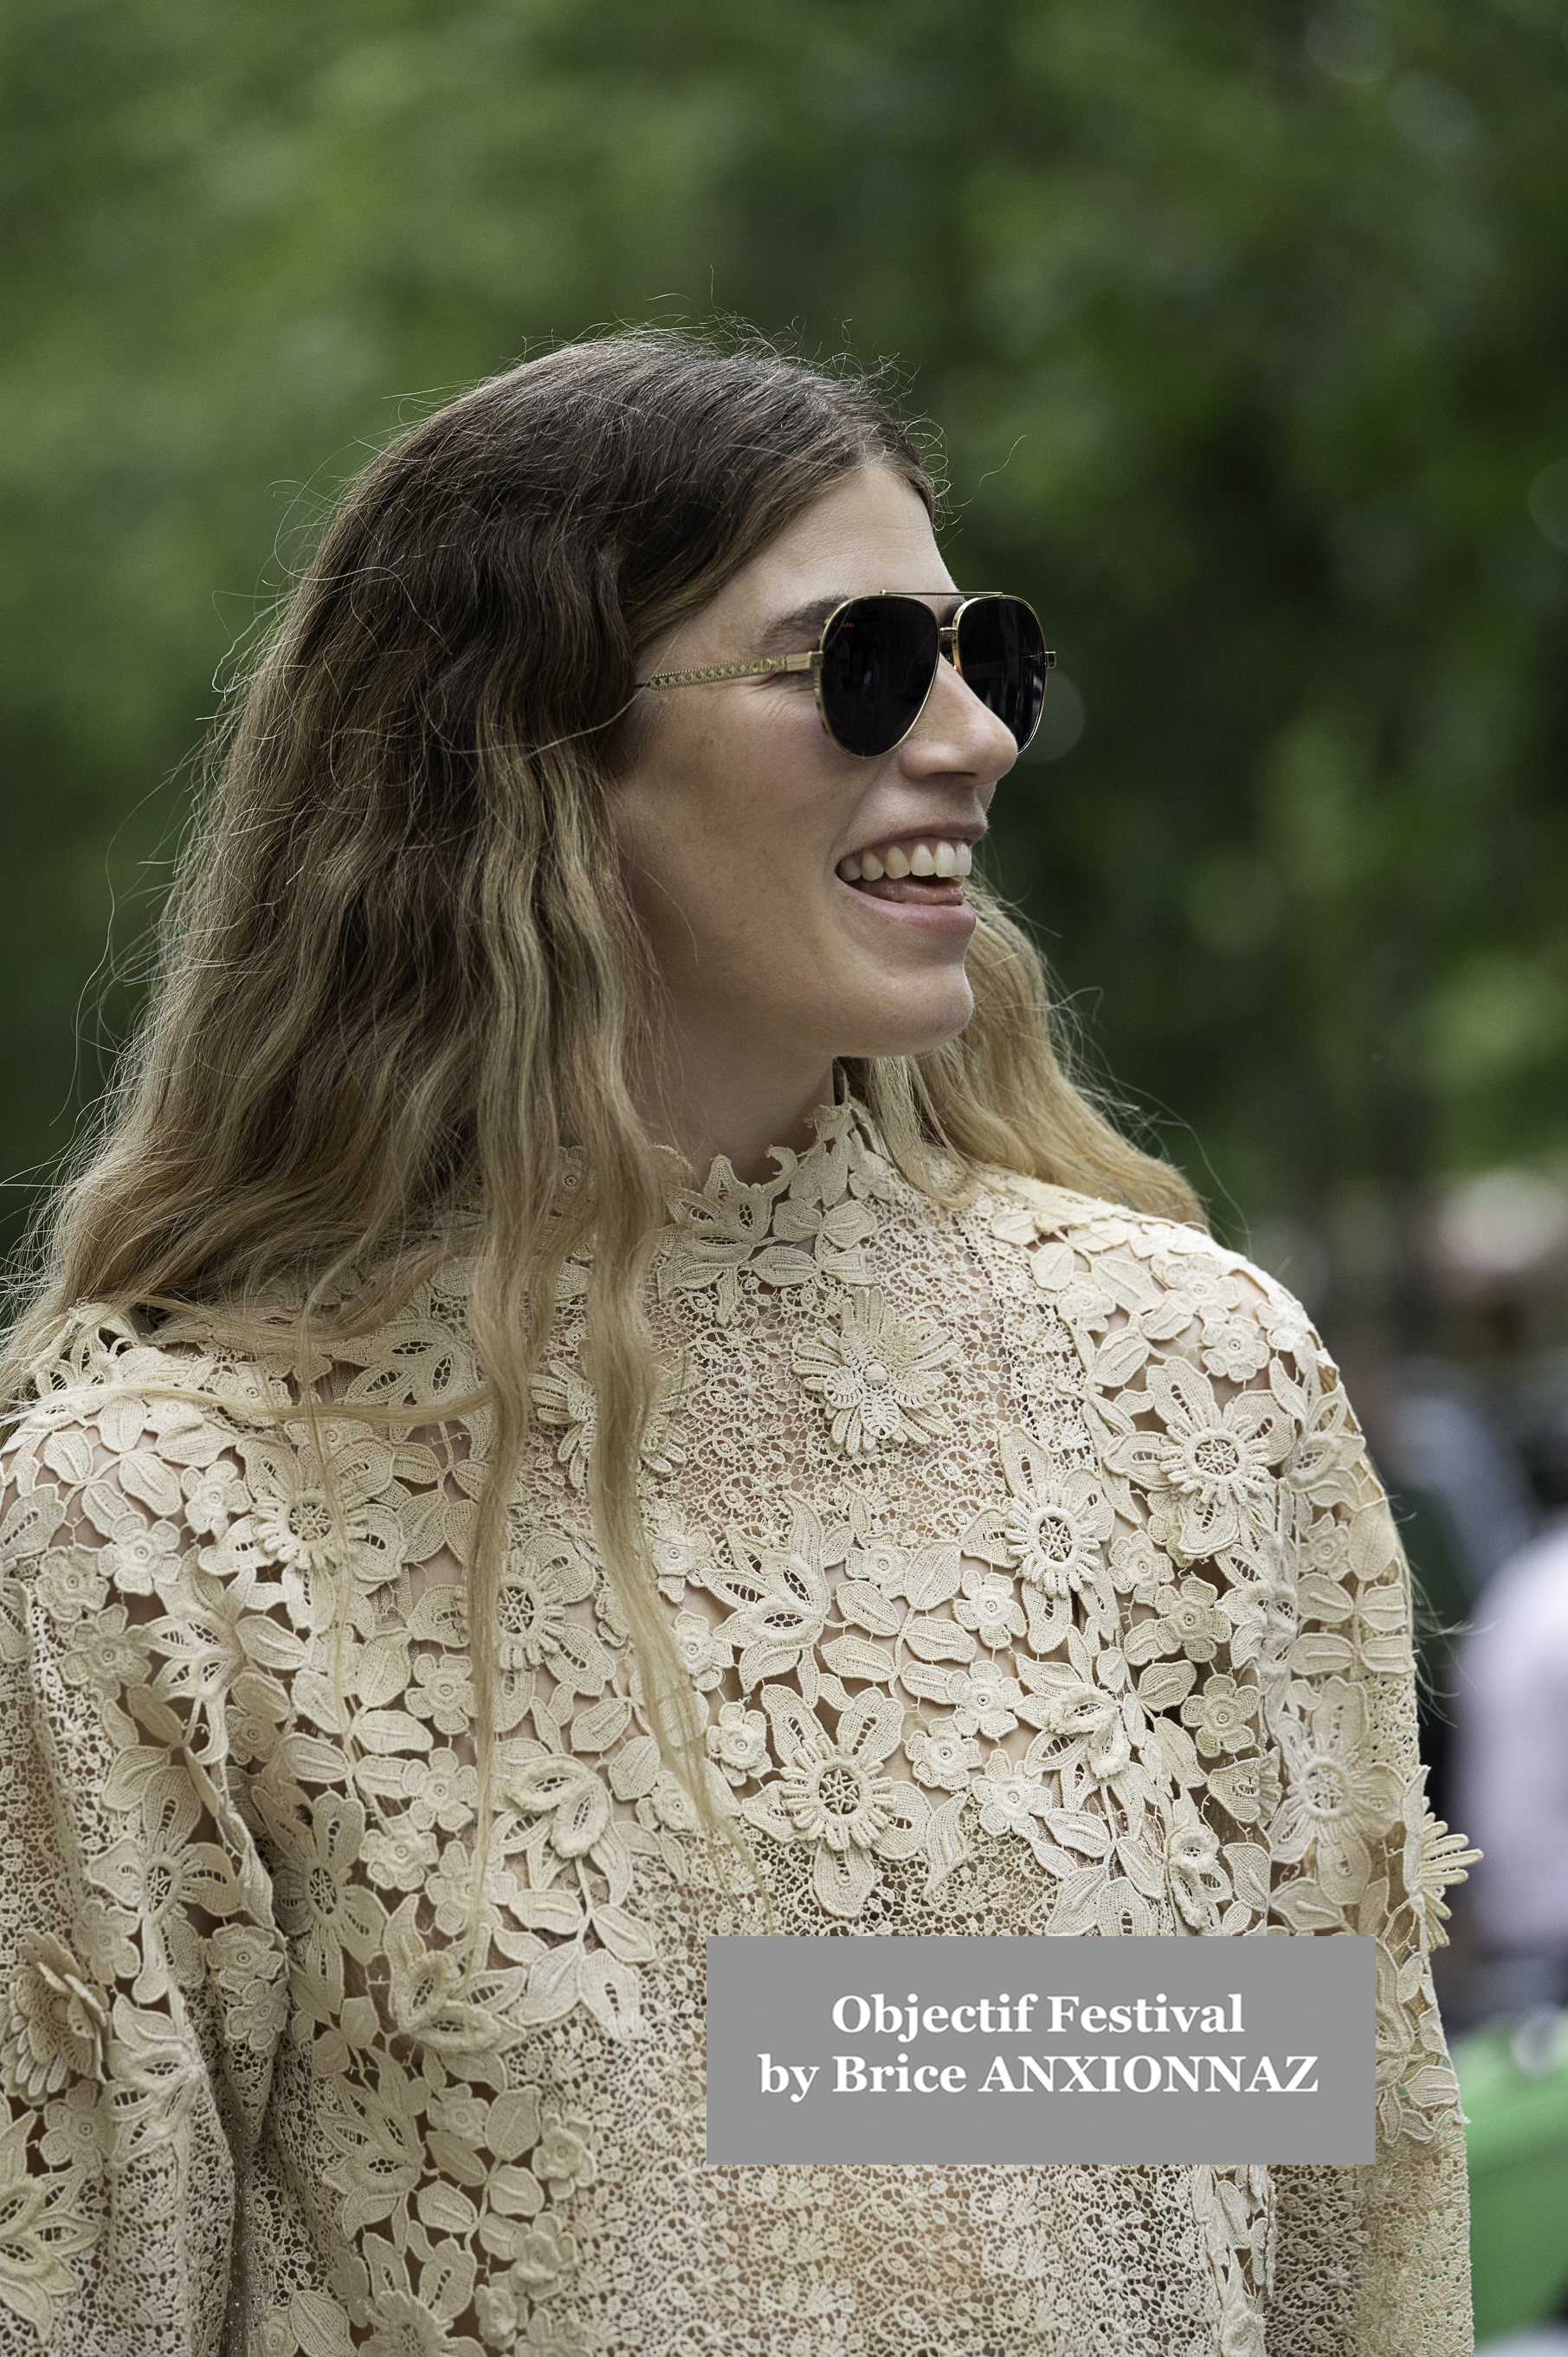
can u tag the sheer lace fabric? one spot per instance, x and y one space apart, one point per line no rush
1030 1569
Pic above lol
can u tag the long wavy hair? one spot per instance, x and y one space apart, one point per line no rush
401 977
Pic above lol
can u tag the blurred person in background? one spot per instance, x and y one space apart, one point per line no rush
1463 1508
1511 1743
601 1386
1466 1427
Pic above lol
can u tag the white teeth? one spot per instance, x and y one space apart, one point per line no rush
943 860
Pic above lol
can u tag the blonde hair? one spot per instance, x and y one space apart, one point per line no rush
401 977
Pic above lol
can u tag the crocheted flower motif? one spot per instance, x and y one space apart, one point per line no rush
830 1795
1195 1281
1187 1621
1234 1349
668 1804
399 1856
443 1790
565 2160
1054 1531
543 2255
985 1701
1209 1472
317 1900
779 1597
941 1755
836 1799
1011 1799
878 1377
251 1975
704 1653
314 1509
989 1607
54 2023
532 1614
109 1655
71 1582
214 1498
564 1399
142 1559
441 1691
1434 1858
1334 1796
682 1557
1221 1716
1053 1534
738 1742
79 2131
533 1625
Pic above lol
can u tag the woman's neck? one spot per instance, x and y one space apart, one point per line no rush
733 1104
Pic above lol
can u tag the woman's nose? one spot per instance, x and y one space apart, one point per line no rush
957 732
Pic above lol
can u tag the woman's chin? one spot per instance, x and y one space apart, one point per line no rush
903 1032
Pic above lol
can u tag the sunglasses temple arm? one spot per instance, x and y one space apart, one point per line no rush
764 667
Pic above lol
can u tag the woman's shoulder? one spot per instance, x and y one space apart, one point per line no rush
1029 1211
110 1414
99 1359
1141 1258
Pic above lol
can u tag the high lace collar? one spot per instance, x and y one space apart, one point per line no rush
845 1157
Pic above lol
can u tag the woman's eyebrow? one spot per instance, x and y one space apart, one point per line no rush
799 627
804 623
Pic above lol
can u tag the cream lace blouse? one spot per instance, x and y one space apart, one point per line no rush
1030 1569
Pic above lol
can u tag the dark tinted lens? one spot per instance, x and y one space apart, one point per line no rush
879 659
1001 656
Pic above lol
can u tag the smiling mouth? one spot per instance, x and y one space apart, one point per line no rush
922 869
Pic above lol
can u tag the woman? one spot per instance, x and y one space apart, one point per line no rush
601 1386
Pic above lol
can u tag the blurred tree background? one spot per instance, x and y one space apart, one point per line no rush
1249 329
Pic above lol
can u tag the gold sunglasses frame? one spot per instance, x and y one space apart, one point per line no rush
768 666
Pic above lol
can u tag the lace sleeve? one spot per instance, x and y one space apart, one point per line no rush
1375 2260
1268 1593
142 1980
1371 2262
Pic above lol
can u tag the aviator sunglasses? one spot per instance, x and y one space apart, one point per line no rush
875 664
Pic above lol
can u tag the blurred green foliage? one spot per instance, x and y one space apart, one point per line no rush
1249 329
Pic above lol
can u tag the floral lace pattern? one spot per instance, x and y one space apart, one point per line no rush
1026 1563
